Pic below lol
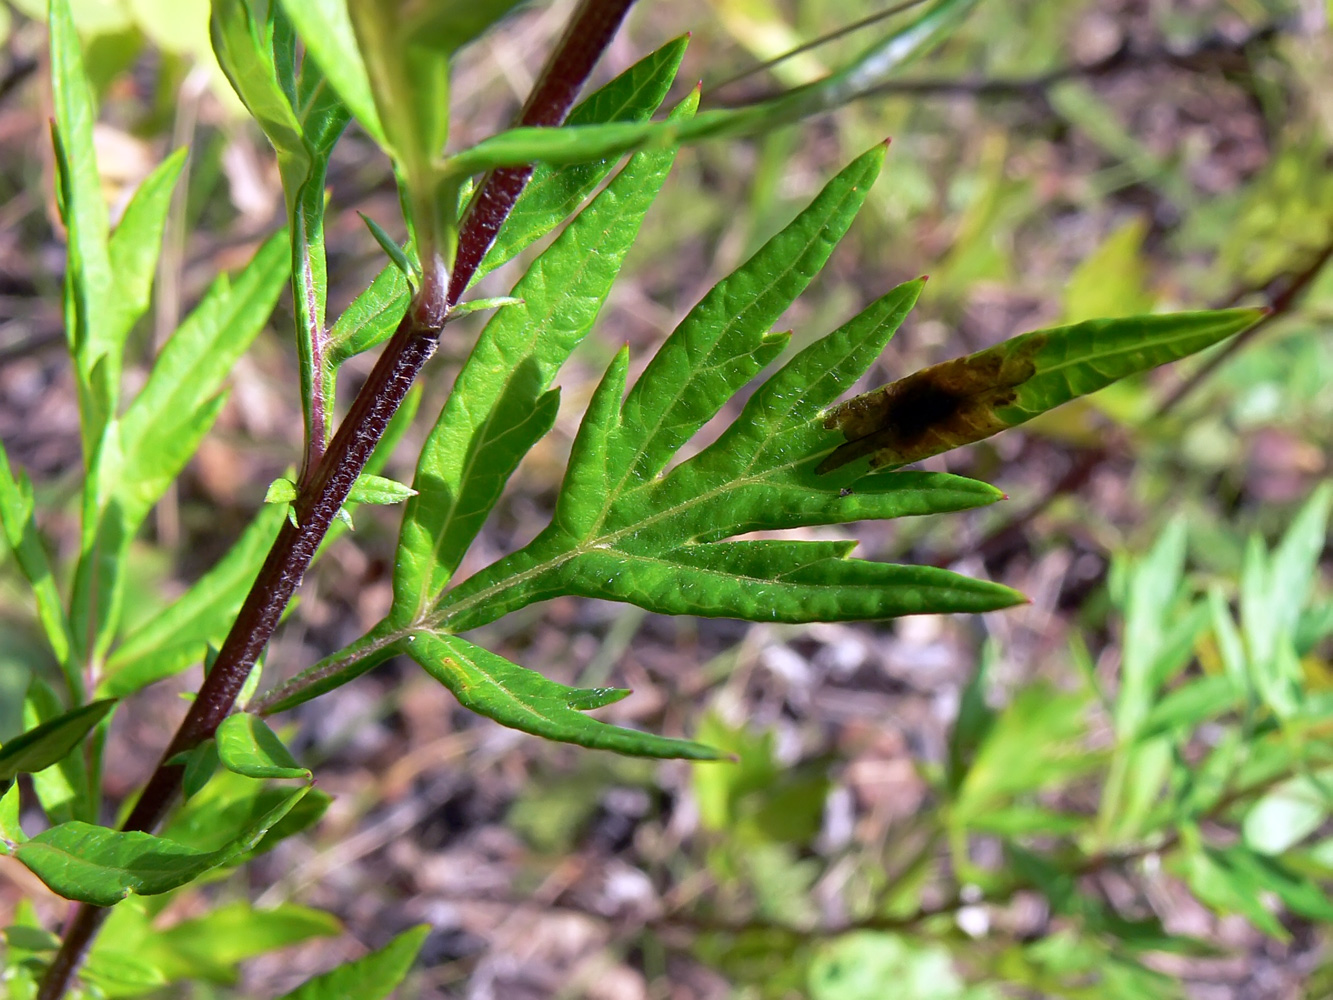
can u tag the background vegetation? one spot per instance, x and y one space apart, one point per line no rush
1116 790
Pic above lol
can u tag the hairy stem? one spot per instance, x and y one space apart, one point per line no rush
589 32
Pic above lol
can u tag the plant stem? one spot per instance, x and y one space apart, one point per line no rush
589 32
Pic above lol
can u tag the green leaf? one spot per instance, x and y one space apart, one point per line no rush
373 977
62 788
371 318
1034 744
547 200
553 193
451 24
1292 571
20 527
205 948
248 746
95 865
523 699
724 340
1288 814
201 764
281 490
395 253
163 425
208 820
10 831
212 945
778 581
756 476
135 245
975 719
326 30
243 45
861 965
176 638
377 489
968 399
89 284
50 742
481 305
500 404
584 143
1150 618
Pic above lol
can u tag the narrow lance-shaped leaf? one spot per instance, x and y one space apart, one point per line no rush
88 278
95 865
778 581
373 977
50 742
968 399
161 429
62 787
142 453
525 700
20 528
136 244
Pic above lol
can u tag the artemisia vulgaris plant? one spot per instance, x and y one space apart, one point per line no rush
628 524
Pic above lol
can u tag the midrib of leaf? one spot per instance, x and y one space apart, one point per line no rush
303 115
444 610
656 426
484 436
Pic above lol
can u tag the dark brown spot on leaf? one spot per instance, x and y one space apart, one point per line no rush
933 410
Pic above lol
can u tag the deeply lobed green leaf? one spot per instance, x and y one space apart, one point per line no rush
501 403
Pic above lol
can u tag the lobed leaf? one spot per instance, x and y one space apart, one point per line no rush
523 699
500 403
724 340
373 977
968 399
92 864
